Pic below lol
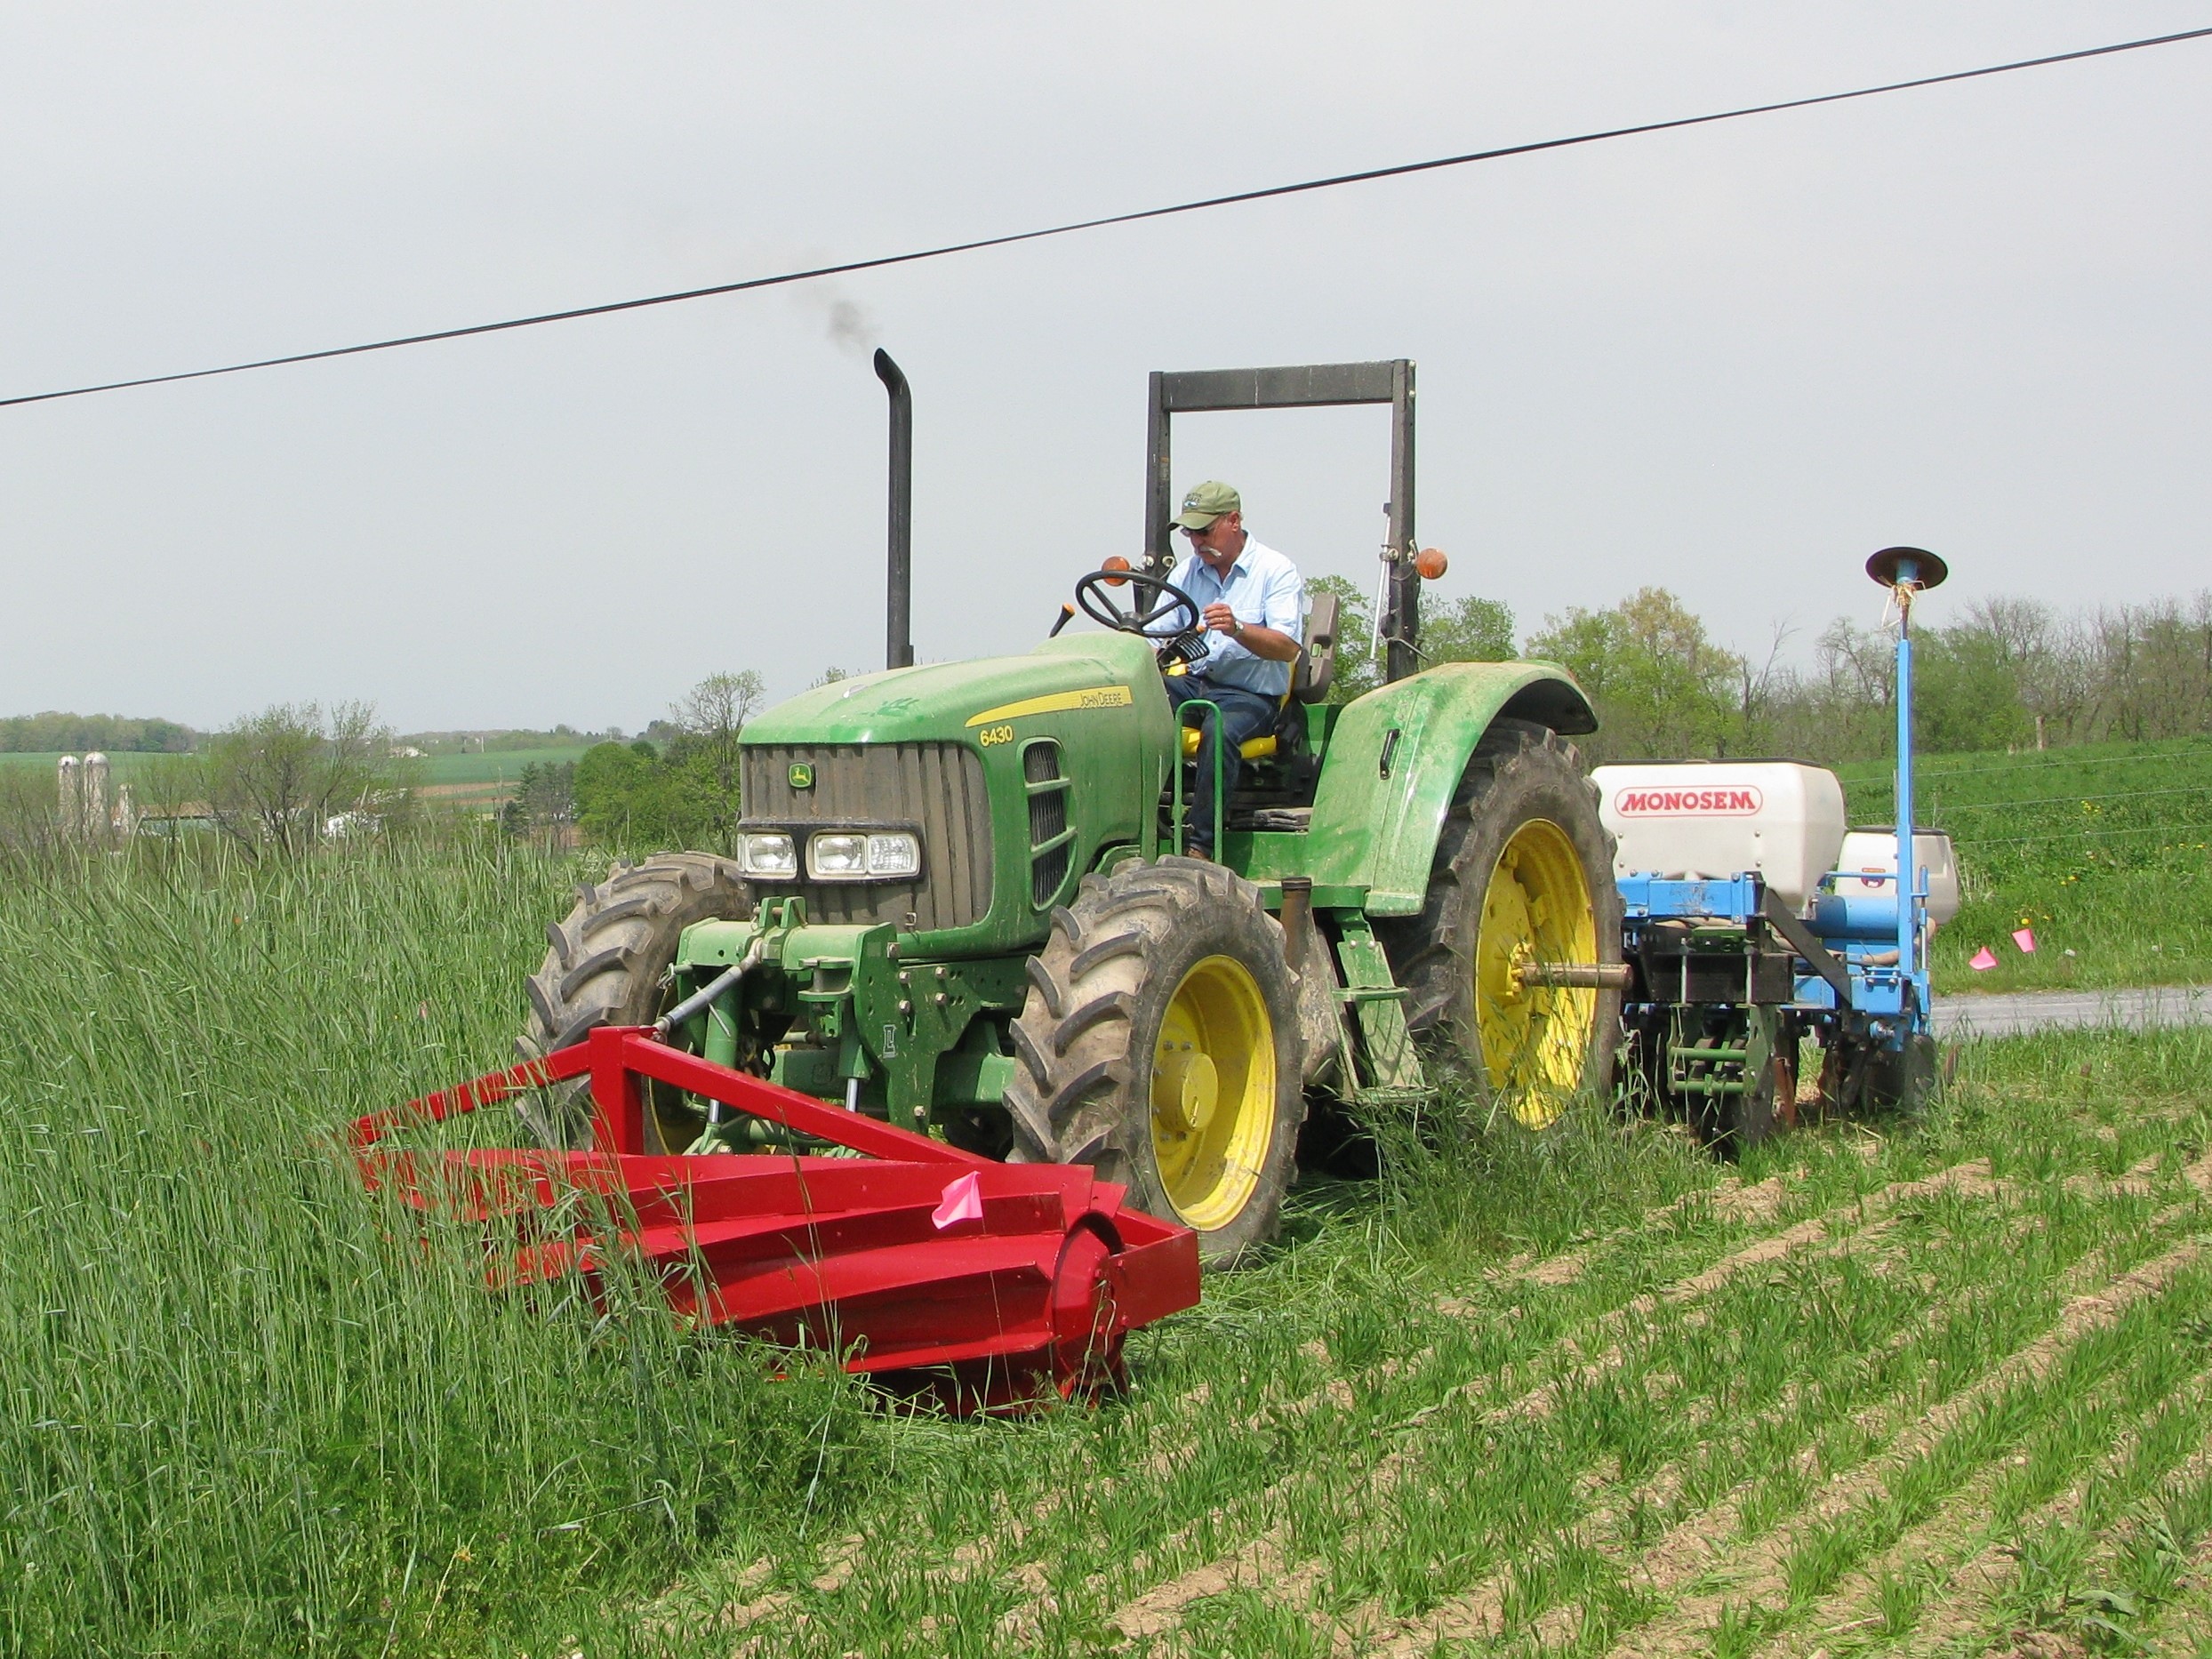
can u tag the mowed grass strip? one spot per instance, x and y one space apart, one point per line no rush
1767 1577
2106 1560
1622 1515
1921 1504
1117 1504
2042 1138
1358 1365
1688 1387
2159 1558
1573 1371
1062 1602
1015 1480
1945 1578
2096 1144
1528 1383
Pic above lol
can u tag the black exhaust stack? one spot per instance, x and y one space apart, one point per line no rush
899 644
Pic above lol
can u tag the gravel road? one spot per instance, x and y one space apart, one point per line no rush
2010 1014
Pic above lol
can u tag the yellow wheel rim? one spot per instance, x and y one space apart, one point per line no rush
1536 909
1214 1093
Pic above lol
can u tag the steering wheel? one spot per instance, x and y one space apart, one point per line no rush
1158 598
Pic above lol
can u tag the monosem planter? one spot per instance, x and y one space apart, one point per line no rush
1753 919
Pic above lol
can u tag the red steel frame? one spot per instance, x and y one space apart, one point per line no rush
841 1253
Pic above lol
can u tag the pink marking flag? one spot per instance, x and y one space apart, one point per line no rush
962 1202
2024 937
1982 960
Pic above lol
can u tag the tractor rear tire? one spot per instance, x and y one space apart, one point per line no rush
609 966
1160 1046
1523 872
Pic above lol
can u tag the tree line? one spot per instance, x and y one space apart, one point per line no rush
677 785
2006 674
75 734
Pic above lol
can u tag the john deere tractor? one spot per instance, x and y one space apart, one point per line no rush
957 900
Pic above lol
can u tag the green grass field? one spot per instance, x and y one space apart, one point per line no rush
497 767
1889 1387
2105 851
121 765
466 782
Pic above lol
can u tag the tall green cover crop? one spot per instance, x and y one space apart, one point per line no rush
244 1406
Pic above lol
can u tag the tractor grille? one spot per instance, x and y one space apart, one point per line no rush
1049 842
935 788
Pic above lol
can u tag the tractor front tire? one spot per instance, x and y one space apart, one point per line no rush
609 964
1160 1045
1523 873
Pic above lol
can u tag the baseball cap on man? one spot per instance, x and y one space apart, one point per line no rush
1206 502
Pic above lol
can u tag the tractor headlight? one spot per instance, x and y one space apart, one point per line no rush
770 855
836 855
864 855
896 854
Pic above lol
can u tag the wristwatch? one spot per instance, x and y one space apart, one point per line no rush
1236 632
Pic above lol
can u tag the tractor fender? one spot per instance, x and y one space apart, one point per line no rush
1396 756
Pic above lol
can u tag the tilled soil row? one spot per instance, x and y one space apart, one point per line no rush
1942 1548
1731 1200
1956 1545
1479 1613
1691 1551
1973 1572
1266 1559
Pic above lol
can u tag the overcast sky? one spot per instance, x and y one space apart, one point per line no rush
1731 361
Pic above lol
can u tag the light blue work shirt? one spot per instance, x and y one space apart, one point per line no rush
1263 590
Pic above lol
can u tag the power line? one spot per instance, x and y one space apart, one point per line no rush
2067 800
1365 176
2044 760
1972 842
2084 799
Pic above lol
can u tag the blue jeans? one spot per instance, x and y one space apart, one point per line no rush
1246 714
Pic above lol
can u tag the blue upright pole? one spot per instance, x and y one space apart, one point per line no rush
1907 877
1907 571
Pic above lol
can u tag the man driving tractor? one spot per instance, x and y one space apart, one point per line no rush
1250 600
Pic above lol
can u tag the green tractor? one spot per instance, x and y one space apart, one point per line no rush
958 901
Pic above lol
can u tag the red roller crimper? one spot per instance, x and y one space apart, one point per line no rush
931 1270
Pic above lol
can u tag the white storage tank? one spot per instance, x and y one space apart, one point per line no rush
95 783
1874 852
1719 818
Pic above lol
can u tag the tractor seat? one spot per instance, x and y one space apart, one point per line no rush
1309 678
1252 749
